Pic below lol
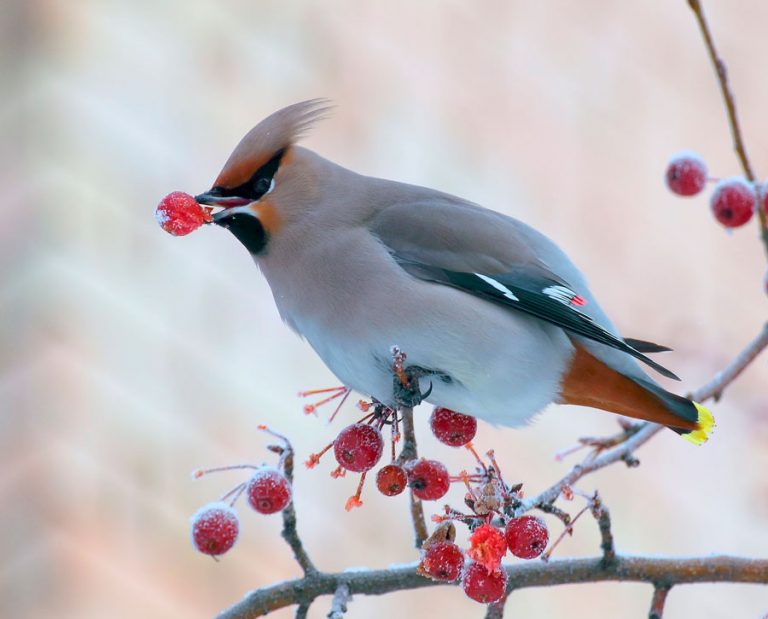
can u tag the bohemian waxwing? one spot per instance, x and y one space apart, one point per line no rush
494 318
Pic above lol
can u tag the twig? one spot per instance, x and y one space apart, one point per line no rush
339 602
657 602
408 452
660 572
302 610
289 532
716 386
603 517
496 610
730 104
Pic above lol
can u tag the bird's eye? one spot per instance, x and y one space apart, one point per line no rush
262 186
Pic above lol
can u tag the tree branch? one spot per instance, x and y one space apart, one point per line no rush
659 572
289 532
730 104
410 452
593 463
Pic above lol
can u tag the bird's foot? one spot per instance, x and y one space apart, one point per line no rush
407 393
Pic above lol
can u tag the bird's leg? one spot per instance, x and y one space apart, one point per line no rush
406 386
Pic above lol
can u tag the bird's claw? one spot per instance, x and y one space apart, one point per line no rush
406 392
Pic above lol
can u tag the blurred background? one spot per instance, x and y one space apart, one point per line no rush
130 358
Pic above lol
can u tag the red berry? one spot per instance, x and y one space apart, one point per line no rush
214 529
391 480
487 546
452 428
526 537
733 202
268 491
358 447
483 586
442 561
428 479
686 174
179 214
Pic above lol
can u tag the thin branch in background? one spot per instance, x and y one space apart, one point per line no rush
715 387
730 104
408 452
496 610
658 600
648 430
339 602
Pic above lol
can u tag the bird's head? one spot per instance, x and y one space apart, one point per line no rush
261 178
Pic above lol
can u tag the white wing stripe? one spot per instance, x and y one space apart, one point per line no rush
498 286
560 293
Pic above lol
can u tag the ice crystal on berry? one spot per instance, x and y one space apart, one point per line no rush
442 561
483 586
358 447
215 528
179 214
733 202
452 428
268 491
526 537
686 174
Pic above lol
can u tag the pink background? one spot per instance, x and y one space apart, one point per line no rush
130 358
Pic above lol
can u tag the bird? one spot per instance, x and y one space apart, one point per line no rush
492 318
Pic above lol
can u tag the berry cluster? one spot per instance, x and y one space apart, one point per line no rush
215 527
733 200
495 531
358 448
179 214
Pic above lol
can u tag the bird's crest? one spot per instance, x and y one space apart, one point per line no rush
276 132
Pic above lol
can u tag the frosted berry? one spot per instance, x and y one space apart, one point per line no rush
391 480
428 479
268 491
483 586
442 561
452 428
214 529
733 202
487 546
358 447
686 174
179 214
526 537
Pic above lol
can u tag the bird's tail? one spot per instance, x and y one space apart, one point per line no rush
591 382
700 420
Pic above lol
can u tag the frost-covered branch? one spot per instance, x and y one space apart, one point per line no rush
289 532
656 571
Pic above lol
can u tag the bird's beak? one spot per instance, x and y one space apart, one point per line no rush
212 199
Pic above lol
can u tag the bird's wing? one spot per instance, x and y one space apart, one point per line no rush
447 241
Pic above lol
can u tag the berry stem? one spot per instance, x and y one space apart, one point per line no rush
566 531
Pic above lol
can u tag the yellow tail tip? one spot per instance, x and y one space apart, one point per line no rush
705 425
